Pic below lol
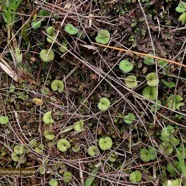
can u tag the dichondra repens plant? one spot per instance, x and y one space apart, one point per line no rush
135 177
47 55
152 79
3 120
63 145
57 85
131 81
150 92
129 118
104 104
181 8
71 29
105 143
103 36
78 126
47 118
126 66
93 150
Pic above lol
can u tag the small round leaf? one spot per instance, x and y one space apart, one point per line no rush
104 104
57 85
63 145
126 66
105 143
47 55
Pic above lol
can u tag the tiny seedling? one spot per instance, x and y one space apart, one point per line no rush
113 157
78 126
150 92
57 85
162 63
51 39
131 81
63 47
105 143
50 30
182 18
93 150
76 148
49 135
144 155
147 155
126 66
135 177
42 169
63 145
104 104
4 120
32 143
152 79
167 135
47 118
14 157
67 176
19 149
39 148
47 55
129 118
166 148
103 36
12 88
174 102
44 13
69 28
181 8
148 60
53 182
166 132
51 34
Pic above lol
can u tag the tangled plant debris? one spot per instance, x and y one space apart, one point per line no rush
93 92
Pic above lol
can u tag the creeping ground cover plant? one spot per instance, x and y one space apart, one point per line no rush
92 95
152 79
71 29
63 145
150 92
103 36
47 118
78 126
131 81
57 85
105 143
181 8
126 66
47 55
93 150
135 177
129 118
3 120
104 104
